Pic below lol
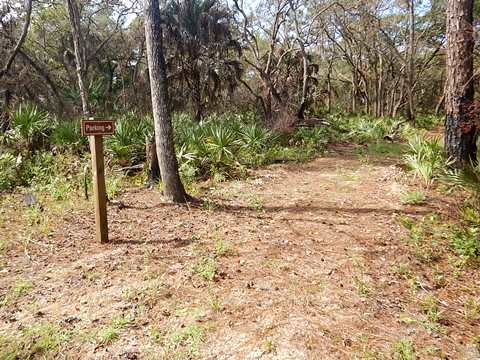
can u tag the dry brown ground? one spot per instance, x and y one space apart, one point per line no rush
310 263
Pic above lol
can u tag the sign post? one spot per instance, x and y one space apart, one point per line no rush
95 130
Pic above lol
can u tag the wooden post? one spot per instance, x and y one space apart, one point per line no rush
99 189
95 130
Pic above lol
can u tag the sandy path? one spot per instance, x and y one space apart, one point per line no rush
307 274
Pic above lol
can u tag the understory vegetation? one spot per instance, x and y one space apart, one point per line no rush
41 151
44 156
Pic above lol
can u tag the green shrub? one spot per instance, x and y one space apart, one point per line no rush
428 121
210 147
58 176
28 128
426 157
366 130
467 178
316 137
8 171
470 214
222 144
256 139
66 134
127 144
465 242
38 168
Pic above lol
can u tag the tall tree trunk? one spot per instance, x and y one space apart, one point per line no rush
173 189
79 50
460 133
329 89
411 61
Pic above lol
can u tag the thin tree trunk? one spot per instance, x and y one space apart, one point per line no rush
21 40
439 104
329 88
460 133
354 90
303 100
411 61
173 189
79 50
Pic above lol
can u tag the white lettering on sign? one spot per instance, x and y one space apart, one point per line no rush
97 127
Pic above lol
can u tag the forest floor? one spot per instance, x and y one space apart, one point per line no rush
299 261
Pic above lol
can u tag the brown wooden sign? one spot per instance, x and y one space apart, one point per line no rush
97 127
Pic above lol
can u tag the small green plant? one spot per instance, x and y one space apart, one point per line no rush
215 303
470 214
316 137
256 203
156 334
363 288
465 242
185 343
46 338
428 121
425 235
43 340
209 205
206 268
222 248
270 347
404 350
467 178
34 215
18 290
471 309
114 185
476 342
384 148
112 332
425 158
402 270
413 197
431 308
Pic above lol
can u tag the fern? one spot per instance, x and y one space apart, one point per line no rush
467 178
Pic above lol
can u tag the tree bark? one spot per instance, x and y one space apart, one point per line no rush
152 161
79 50
460 132
411 61
173 189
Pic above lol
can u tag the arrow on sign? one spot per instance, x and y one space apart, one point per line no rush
97 127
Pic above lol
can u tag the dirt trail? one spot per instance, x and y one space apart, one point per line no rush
303 271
